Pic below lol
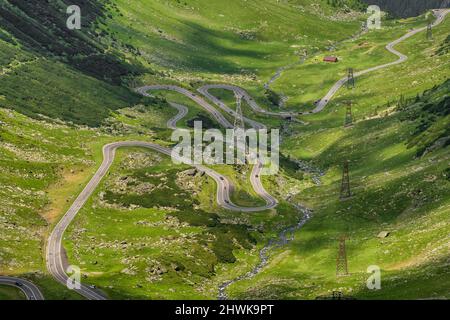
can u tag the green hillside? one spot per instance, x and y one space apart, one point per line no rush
398 152
41 27
9 293
152 229
219 39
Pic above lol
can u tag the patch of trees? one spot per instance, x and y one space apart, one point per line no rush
207 123
431 114
446 174
273 97
445 47
226 236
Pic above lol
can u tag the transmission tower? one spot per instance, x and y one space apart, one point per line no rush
350 78
430 32
239 127
348 115
345 185
341 261
239 118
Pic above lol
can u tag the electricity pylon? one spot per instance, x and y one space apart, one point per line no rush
348 115
341 261
345 184
350 78
239 118
239 128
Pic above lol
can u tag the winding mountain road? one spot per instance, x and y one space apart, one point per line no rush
205 105
55 256
244 94
440 16
182 112
30 290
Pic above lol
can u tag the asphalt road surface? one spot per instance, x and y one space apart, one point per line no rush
182 112
28 288
244 94
55 256
440 16
205 105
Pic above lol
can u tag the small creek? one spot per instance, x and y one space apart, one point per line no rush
285 236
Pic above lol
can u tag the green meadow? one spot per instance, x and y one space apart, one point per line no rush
11 293
394 189
152 229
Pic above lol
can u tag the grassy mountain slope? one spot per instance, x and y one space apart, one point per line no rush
50 70
10 293
318 77
54 119
63 95
195 40
397 187
215 38
160 246
41 27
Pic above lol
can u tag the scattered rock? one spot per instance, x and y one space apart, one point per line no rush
383 234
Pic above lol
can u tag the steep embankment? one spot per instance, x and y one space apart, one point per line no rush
51 70
54 85
161 264
408 8
41 27
234 39
177 243
398 151
55 82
